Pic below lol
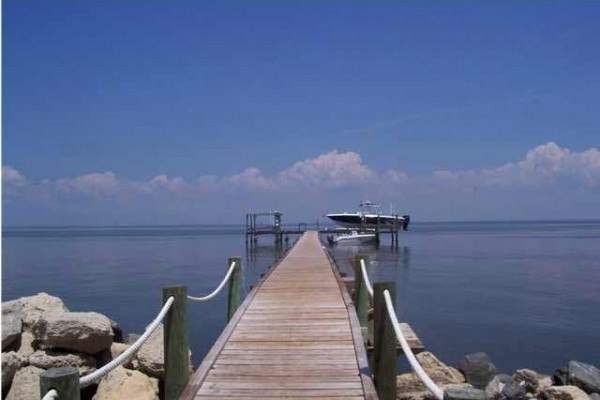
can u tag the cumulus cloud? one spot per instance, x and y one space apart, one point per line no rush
333 169
94 184
12 177
545 165
542 166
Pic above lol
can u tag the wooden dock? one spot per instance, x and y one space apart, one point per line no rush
295 336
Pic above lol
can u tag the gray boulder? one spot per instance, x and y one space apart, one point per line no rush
33 307
150 358
595 396
11 326
529 376
87 333
410 387
11 362
564 393
478 369
465 393
122 383
585 376
494 388
27 347
47 359
25 385
514 391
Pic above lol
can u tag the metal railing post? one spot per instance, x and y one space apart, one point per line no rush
176 347
385 343
65 380
234 297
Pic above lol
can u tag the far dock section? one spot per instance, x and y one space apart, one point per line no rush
271 223
296 335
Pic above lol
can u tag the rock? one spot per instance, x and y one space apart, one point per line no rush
478 369
25 385
11 326
117 331
33 307
560 377
150 358
116 349
11 362
595 396
126 384
494 388
585 376
423 394
47 359
529 376
131 338
439 372
464 393
84 332
411 387
544 382
27 347
514 391
564 393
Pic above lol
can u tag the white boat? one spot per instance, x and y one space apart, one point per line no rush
353 237
370 217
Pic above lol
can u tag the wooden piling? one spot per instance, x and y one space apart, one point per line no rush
361 295
65 380
176 344
384 343
234 298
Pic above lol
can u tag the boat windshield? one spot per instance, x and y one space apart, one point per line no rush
370 208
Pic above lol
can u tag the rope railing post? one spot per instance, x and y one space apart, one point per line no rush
64 380
361 296
176 347
234 298
384 351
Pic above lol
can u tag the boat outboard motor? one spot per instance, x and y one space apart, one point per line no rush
406 222
330 239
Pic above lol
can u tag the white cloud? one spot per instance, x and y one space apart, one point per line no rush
333 169
163 182
12 177
94 184
545 165
250 178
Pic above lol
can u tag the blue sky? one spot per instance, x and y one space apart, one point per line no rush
189 112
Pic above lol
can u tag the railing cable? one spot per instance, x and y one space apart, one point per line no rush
51 395
414 363
218 289
363 269
102 372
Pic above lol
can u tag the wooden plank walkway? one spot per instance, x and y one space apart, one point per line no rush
296 336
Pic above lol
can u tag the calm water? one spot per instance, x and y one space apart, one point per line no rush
528 294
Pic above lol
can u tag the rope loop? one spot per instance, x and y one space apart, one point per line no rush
218 289
134 348
363 269
51 395
414 363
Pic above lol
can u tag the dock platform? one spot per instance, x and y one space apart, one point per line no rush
295 336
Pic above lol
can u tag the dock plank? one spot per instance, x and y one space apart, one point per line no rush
292 338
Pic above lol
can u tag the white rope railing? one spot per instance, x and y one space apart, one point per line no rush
102 372
363 269
218 289
51 395
414 363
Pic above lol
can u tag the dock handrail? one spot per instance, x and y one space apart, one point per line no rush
131 350
51 395
391 312
219 288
